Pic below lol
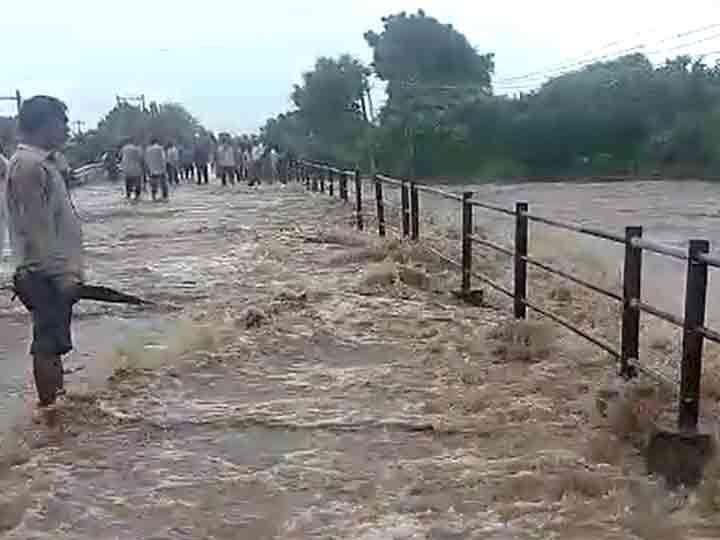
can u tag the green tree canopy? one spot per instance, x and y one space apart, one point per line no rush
167 121
441 118
432 72
329 121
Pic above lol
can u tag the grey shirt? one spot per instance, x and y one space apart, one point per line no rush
156 160
131 161
45 231
3 208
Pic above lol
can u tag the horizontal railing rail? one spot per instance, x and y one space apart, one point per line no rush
697 258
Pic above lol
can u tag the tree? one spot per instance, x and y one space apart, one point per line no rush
432 71
418 48
167 121
441 118
329 121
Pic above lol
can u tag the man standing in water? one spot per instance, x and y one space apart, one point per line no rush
46 237
173 163
3 217
225 160
186 162
157 170
131 163
201 156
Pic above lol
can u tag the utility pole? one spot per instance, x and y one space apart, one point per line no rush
136 99
78 126
16 98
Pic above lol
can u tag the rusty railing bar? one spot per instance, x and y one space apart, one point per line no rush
654 247
490 283
710 260
441 256
440 192
492 207
709 333
657 313
567 324
655 374
396 207
574 279
391 181
577 228
497 247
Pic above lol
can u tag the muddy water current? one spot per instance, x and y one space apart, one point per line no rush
315 426
671 212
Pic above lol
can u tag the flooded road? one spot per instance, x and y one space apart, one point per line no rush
305 387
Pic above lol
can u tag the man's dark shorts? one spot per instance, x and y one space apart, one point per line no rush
51 311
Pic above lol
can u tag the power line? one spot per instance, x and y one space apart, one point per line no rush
534 81
529 86
575 64
582 57
17 98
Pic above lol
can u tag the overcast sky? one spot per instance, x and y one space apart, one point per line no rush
232 63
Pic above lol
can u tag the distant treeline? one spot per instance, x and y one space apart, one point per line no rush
166 122
442 119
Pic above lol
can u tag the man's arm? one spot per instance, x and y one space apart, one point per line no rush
28 200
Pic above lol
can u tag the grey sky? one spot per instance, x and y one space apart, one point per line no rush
233 62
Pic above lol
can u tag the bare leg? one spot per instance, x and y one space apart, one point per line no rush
48 373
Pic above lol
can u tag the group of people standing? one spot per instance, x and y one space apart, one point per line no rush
161 166
45 232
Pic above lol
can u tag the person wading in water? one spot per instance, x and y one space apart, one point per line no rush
46 239
156 162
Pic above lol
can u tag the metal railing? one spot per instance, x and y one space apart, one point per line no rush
317 177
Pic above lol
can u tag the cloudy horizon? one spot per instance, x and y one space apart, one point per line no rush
233 65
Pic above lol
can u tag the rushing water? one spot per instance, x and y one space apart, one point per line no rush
199 469
671 212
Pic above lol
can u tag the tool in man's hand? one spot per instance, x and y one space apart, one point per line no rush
99 293
106 294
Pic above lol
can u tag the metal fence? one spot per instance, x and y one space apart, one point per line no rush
323 178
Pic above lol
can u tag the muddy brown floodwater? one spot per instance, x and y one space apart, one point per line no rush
308 385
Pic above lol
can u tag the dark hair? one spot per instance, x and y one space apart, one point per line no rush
154 140
34 113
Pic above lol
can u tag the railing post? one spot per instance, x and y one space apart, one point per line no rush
322 181
467 226
358 201
315 182
343 187
691 367
331 182
632 282
521 252
306 172
405 204
414 212
380 206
